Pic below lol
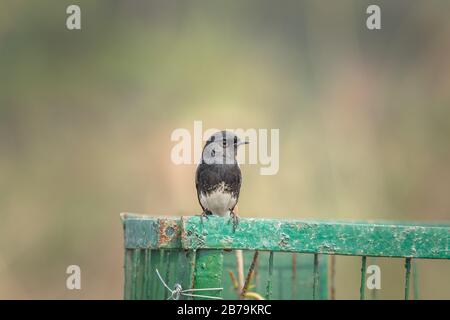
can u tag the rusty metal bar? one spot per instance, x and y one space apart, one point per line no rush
294 276
250 274
332 277
257 275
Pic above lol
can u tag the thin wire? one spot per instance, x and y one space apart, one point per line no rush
175 293
160 278
202 289
201 296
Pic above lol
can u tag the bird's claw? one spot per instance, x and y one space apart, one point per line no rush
204 214
234 219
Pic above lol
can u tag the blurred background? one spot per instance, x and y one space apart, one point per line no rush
86 118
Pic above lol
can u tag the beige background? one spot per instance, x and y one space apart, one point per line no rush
86 118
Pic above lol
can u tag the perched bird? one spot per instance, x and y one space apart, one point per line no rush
218 177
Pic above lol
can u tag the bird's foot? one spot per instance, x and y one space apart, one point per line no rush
234 219
205 214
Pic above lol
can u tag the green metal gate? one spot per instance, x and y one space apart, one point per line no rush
174 257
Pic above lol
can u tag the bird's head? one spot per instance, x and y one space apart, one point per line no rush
221 148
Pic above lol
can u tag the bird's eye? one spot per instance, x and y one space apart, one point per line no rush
224 143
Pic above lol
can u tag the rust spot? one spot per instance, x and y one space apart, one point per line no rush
168 230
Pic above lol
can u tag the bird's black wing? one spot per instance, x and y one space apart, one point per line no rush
197 185
233 181
207 177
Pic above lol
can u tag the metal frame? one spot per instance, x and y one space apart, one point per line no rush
194 247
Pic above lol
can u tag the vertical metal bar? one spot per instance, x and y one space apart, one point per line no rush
148 275
407 277
184 269
269 278
135 273
128 273
155 257
168 265
141 272
362 289
332 277
144 296
174 258
316 276
280 293
208 271
323 280
294 276
373 292
193 263
160 266
415 280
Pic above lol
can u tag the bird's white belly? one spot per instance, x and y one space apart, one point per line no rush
218 202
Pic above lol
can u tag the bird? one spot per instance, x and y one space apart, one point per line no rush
218 177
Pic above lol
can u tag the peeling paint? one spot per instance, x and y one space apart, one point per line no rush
343 238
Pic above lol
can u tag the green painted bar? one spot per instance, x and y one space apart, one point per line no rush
155 258
323 278
362 288
145 232
270 276
135 262
318 237
407 277
281 285
208 271
147 274
168 265
188 252
316 276
141 274
307 236
128 273
160 289
185 270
